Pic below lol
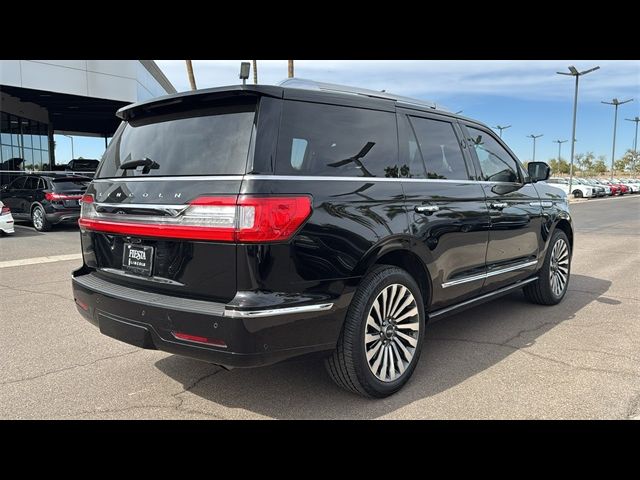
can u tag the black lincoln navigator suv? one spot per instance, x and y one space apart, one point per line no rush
246 225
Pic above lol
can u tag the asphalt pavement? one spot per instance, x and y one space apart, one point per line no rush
504 359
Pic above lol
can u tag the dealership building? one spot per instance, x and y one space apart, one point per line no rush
40 98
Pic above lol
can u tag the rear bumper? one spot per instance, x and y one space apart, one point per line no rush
6 224
241 337
63 216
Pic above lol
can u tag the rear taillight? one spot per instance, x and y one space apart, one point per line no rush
245 219
5 210
52 196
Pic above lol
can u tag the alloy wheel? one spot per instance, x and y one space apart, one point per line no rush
559 267
38 219
391 332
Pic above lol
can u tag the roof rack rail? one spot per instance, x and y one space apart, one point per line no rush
332 87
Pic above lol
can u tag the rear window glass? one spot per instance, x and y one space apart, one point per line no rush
84 164
330 140
67 184
214 141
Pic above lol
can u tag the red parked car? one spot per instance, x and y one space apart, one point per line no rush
616 188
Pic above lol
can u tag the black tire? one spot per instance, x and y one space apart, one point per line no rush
348 365
39 219
577 194
541 291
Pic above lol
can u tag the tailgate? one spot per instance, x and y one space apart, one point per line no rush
184 267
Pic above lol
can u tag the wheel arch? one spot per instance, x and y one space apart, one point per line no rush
399 251
564 225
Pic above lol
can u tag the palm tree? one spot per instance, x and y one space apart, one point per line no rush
192 78
290 68
255 71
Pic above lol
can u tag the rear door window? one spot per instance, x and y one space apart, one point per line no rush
213 141
31 183
439 148
331 140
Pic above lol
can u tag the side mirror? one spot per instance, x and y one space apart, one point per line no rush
538 171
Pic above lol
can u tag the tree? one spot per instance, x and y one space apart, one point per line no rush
558 166
587 162
255 71
599 166
630 161
290 68
192 78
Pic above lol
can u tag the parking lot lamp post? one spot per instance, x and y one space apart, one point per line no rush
635 141
501 129
559 142
534 144
70 138
615 102
573 71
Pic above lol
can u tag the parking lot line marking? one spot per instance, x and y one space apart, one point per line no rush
37 260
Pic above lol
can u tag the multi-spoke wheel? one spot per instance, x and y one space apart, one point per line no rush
382 334
553 278
39 219
391 333
559 267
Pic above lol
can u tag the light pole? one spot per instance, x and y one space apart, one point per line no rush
559 142
635 141
70 137
501 129
615 102
573 71
534 144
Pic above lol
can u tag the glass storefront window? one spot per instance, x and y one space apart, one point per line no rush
23 139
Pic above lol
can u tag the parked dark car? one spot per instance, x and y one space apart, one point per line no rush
85 166
247 225
45 199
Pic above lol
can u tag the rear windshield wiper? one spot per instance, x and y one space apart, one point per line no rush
145 162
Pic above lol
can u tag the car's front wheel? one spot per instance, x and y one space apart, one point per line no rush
382 335
39 219
553 277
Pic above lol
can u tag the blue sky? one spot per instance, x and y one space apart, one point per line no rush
529 95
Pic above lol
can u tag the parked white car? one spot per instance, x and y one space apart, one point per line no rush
577 189
6 219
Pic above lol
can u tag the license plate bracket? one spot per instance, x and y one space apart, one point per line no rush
138 259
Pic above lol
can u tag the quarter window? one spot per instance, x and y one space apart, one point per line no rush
330 140
496 163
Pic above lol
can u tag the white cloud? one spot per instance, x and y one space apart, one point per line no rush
439 80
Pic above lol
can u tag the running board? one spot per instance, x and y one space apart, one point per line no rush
438 314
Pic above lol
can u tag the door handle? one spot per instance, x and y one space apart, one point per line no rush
498 205
426 208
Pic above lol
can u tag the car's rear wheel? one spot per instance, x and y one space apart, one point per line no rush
382 335
553 277
39 219
577 193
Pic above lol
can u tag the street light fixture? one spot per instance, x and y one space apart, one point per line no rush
560 142
575 73
501 129
615 102
534 144
635 141
70 137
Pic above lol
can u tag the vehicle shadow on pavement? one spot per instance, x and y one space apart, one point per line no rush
456 349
